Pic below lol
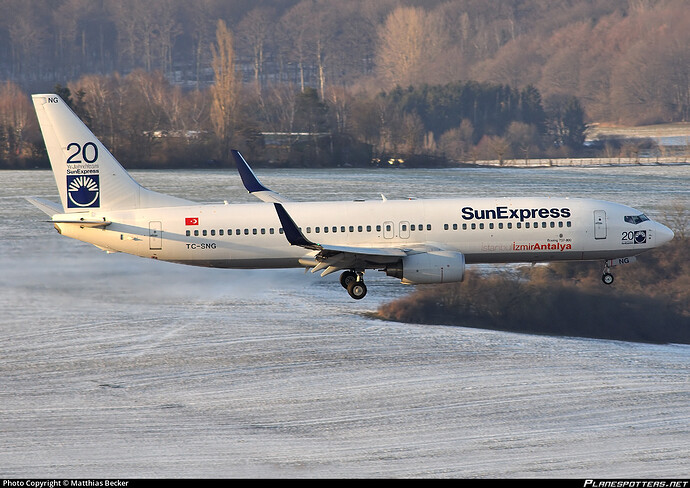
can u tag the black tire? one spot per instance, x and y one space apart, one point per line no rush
347 277
607 278
357 290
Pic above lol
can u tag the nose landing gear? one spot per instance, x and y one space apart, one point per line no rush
607 277
353 282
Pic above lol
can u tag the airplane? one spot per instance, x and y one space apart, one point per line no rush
415 241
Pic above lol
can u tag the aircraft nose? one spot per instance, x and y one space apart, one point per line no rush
663 234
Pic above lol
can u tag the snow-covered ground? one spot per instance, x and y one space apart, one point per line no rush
115 366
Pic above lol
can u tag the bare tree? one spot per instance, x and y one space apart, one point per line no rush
294 26
15 117
409 41
225 90
255 31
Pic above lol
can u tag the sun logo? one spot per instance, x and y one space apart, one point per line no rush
83 191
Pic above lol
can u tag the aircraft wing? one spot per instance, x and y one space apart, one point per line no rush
334 258
252 183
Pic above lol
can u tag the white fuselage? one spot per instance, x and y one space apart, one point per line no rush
484 230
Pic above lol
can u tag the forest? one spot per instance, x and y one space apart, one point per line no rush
323 82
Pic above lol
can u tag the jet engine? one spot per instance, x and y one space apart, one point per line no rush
429 267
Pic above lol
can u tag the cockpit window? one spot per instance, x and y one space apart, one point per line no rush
636 219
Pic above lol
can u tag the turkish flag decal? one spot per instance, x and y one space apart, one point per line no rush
191 221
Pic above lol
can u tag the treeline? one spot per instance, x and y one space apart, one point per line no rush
148 122
625 60
648 302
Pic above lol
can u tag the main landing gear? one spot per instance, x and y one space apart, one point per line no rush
353 282
607 277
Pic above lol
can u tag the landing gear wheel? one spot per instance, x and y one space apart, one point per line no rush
607 278
357 289
347 277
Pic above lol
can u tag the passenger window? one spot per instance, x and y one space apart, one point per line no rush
352 228
464 226
359 228
308 230
481 226
334 229
543 225
509 225
560 224
388 227
445 226
271 231
455 226
412 227
428 226
368 228
317 229
188 233
474 226
254 231
220 232
342 228
325 230
403 227
500 225
526 225
378 228
552 224
568 224
246 232
518 225
204 232
196 233
491 225
213 232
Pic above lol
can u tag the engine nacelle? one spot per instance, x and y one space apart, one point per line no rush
429 267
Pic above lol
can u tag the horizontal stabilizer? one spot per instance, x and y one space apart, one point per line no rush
46 206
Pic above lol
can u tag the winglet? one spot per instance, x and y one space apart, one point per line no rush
292 232
252 183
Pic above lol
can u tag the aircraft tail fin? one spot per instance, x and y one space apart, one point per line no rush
88 177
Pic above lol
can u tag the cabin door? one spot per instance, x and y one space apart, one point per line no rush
155 235
600 224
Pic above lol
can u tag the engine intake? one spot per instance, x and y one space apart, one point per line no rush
429 267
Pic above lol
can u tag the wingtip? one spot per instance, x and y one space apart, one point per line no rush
249 179
292 232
